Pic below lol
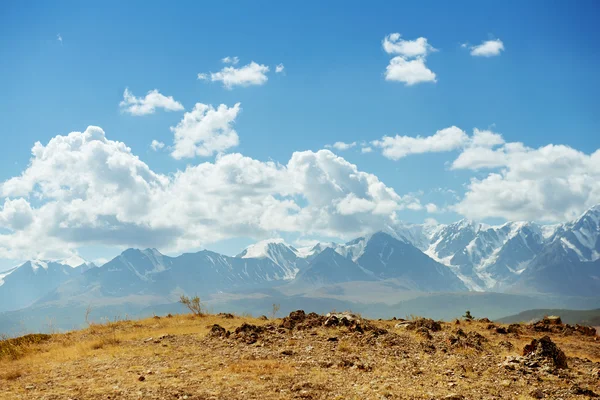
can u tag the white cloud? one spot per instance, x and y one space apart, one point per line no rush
486 138
394 44
148 105
279 68
431 208
341 145
202 77
550 183
156 145
488 48
447 139
15 214
205 131
248 75
59 38
366 150
409 71
230 60
91 190
409 64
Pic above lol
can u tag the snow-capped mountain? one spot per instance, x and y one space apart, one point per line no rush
21 286
514 257
581 236
493 258
279 252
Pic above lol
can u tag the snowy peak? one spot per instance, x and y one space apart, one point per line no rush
582 236
276 250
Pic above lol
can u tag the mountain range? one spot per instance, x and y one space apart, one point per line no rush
516 257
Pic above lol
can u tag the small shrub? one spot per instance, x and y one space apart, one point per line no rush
275 310
468 316
193 304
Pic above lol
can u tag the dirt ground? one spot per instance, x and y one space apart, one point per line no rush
302 356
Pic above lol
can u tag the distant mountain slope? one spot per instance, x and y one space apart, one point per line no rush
582 317
389 258
330 267
23 285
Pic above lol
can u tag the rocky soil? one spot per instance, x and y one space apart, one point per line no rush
311 356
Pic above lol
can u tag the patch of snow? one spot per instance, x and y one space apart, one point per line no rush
572 247
261 249
4 274
73 261
37 264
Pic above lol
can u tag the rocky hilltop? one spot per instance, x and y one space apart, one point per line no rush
304 356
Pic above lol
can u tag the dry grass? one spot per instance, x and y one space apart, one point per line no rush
176 360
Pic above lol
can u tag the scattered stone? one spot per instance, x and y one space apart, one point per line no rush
578 390
505 344
142 378
514 328
472 339
248 333
332 339
226 315
546 352
585 330
552 320
454 397
428 323
485 320
287 352
537 394
403 325
424 332
501 330
218 331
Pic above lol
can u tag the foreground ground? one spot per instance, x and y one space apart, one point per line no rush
301 357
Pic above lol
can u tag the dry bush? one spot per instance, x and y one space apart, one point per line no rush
193 304
11 375
104 342
16 348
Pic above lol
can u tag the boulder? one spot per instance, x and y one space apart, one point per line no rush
545 351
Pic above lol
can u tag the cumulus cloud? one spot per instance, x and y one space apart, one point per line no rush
431 208
15 214
394 44
248 75
397 147
156 145
550 183
408 65
230 60
488 48
341 145
83 189
205 131
366 150
148 105
279 68
409 71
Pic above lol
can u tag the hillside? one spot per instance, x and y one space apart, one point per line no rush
302 356
583 317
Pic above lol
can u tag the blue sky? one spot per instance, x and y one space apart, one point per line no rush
541 89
